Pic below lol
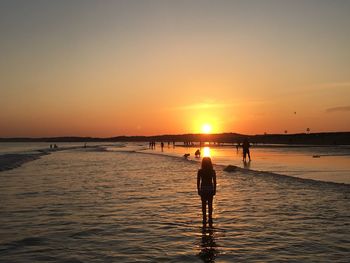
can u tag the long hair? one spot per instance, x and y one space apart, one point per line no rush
207 164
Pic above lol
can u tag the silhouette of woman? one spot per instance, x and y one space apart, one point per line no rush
206 187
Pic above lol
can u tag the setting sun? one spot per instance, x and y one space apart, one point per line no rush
206 128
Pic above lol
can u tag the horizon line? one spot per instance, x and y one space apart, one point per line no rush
163 135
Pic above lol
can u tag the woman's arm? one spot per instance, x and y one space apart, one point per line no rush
198 183
214 181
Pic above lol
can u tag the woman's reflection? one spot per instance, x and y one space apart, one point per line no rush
208 246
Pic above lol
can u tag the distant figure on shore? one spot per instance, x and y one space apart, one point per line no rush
206 187
162 145
197 154
186 155
246 146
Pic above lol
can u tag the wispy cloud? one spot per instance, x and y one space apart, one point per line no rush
336 84
338 109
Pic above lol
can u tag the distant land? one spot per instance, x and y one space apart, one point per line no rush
325 138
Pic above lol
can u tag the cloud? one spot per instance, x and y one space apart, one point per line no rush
337 84
338 109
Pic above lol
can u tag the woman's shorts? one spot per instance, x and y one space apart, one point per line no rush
207 193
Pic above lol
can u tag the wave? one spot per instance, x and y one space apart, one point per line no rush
236 169
12 161
15 160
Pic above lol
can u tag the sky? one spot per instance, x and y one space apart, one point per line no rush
109 68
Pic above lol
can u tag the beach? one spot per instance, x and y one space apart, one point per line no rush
127 205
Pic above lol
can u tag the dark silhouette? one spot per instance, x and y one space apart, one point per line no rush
162 145
237 146
324 138
208 245
197 154
186 155
246 146
206 187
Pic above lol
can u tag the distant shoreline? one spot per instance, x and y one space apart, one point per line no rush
325 138
14 160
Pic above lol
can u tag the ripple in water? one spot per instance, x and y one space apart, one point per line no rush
84 206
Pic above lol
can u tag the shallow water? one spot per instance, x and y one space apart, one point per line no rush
33 147
331 165
87 206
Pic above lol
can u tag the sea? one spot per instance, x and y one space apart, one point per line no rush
125 202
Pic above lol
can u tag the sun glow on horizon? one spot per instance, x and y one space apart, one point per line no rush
206 128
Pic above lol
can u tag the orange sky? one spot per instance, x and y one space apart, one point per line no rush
158 67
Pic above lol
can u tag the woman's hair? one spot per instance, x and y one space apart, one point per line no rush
206 164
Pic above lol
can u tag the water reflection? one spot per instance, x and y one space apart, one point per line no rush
246 164
206 152
208 245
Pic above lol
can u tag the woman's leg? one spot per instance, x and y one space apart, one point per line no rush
210 208
204 210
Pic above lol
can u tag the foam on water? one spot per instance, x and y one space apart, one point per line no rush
83 205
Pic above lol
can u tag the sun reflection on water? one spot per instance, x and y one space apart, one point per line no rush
206 152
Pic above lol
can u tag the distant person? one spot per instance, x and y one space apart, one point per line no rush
197 154
246 146
206 187
55 146
186 155
162 145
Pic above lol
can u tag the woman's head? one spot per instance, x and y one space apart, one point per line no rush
206 164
